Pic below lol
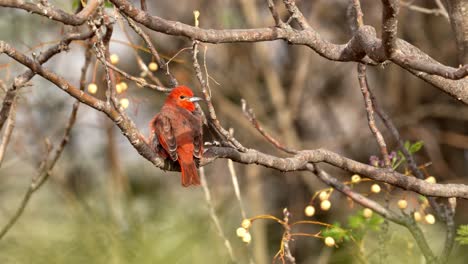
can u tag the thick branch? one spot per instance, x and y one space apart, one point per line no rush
389 25
458 13
363 43
297 162
54 13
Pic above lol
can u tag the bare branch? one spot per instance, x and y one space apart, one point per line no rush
248 112
53 13
299 161
433 11
274 14
297 14
389 26
160 61
207 95
143 5
363 43
139 81
361 69
8 130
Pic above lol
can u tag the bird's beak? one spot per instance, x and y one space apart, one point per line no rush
195 99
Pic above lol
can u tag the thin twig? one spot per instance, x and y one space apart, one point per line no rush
47 164
160 61
23 79
287 238
361 69
297 14
213 215
274 13
139 81
431 11
10 126
248 112
212 113
143 5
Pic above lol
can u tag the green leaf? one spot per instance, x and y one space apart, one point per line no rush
338 233
75 4
108 4
462 235
356 221
407 145
375 222
416 147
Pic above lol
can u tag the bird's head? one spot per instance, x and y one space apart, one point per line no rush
182 96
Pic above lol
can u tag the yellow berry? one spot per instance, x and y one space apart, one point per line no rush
118 88
417 216
247 238
431 179
430 219
114 58
153 66
92 88
323 195
124 86
402 204
309 211
240 232
375 188
355 178
367 213
124 103
246 223
325 205
329 241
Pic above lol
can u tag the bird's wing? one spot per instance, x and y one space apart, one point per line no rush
164 135
198 138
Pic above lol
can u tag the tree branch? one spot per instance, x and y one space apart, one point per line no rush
364 42
361 69
389 26
54 13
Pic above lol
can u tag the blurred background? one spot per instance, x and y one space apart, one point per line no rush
104 203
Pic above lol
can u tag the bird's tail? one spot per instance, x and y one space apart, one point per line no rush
189 173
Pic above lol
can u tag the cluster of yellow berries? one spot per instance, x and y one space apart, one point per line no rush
325 204
243 231
121 86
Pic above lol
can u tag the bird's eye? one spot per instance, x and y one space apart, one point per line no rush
182 97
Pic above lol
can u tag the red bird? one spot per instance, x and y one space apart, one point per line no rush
176 133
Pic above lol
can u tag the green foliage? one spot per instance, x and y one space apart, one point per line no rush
338 233
357 227
462 235
411 148
75 4
360 225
